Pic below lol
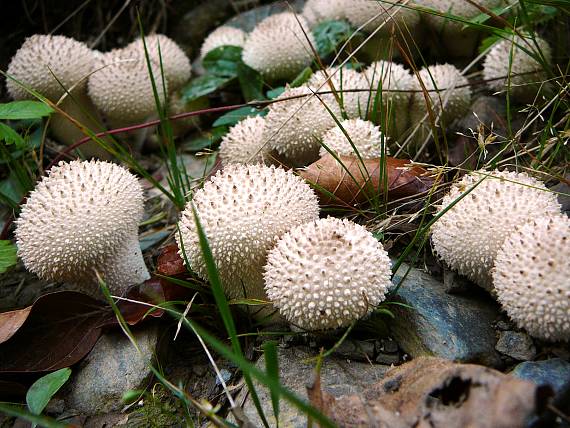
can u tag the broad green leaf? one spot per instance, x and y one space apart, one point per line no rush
16 110
12 189
251 83
329 35
9 136
8 257
275 92
234 116
223 61
302 77
206 140
44 388
204 85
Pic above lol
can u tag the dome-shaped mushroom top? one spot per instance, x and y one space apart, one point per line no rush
41 55
460 8
372 14
175 63
244 210
278 47
121 86
77 217
468 235
392 79
293 127
223 36
527 74
532 277
244 143
327 274
317 11
365 136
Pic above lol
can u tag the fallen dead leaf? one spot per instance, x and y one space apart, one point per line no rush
354 182
11 321
169 262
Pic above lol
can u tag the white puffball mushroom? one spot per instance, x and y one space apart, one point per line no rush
449 94
223 36
244 210
365 136
121 87
175 63
317 11
278 47
532 277
294 127
508 66
371 15
394 85
327 274
80 217
244 143
468 235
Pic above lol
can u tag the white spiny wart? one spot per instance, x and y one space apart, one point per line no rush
468 235
365 136
326 274
244 209
317 11
223 36
278 47
80 217
532 277
244 143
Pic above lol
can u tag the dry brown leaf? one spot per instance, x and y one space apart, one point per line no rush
436 393
354 181
11 321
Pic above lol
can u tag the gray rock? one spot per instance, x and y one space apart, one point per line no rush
338 377
387 359
356 350
455 283
517 345
455 327
112 368
554 372
388 345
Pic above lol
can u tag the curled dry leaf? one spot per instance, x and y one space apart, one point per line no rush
431 392
169 262
355 181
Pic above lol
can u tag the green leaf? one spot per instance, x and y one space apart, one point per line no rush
16 110
329 35
20 412
302 77
10 136
272 369
207 140
483 17
487 42
251 83
234 116
8 257
223 61
275 92
203 85
44 388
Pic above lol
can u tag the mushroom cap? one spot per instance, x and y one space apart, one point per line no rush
327 274
526 73
449 93
468 236
69 60
532 277
121 87
294 127
359 12
317 11
78 217
223 36
365 136
278 47
175 63
351 86
244 143
459 8
244 209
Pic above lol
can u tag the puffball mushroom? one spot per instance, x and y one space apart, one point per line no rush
223 36
317 11
373 14
457 38
244 210
365 136
449 95
293 127
80 217
244 143
394 85
175 63
279 47
122 88
326 274
468 236
51 65
532 277
508 66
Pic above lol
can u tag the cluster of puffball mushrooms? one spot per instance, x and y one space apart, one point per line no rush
263 221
